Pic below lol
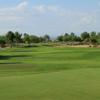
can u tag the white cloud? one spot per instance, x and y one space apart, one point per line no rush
63 19
43 9
22 6
40 9
13 13
87 19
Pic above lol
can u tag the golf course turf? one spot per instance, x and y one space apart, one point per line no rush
50 73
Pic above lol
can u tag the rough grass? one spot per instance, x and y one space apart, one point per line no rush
49 73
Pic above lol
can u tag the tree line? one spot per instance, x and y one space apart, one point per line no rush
92 38
15 38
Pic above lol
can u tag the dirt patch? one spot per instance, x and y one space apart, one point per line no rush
75 46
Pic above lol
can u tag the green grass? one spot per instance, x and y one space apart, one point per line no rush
50 73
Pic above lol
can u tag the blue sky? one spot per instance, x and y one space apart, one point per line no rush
51 17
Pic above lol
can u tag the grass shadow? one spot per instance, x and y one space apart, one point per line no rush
8 63
6 57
